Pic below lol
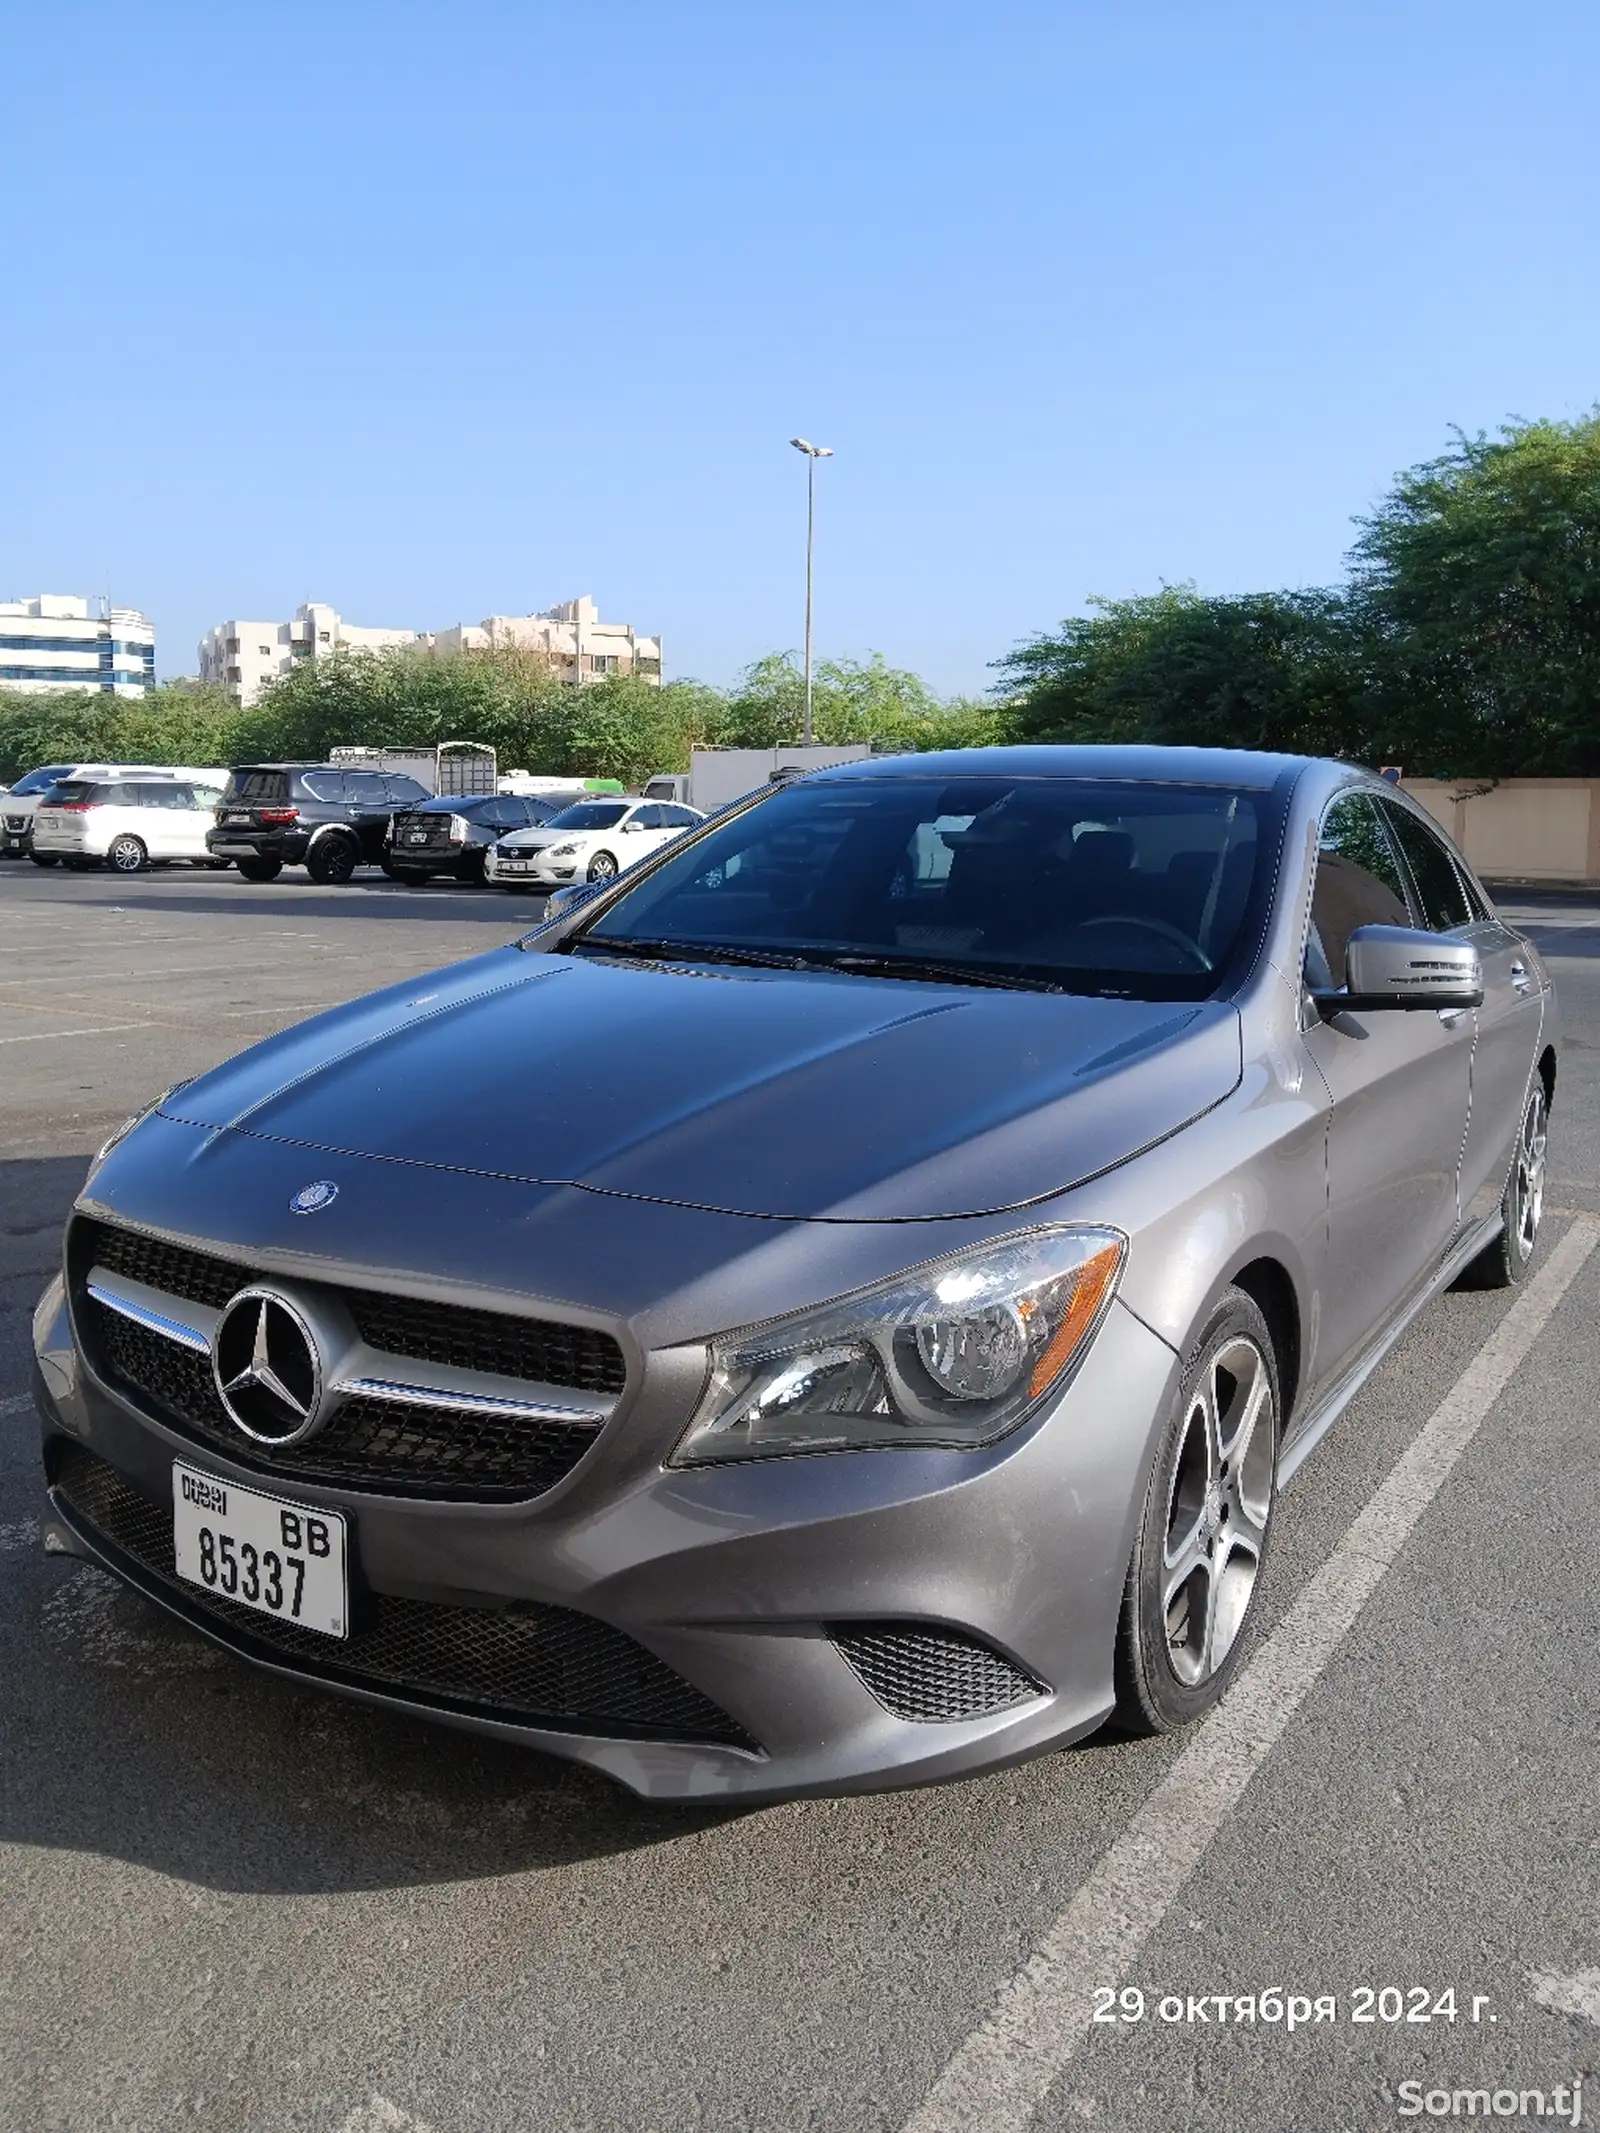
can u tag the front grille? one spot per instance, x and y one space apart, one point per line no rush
369 1443
538 1349
933 1676
537 1664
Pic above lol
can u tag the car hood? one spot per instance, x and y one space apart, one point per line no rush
804 1095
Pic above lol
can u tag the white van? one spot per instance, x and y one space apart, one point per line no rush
128 822
16 813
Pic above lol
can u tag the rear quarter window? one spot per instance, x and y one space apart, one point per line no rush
258 788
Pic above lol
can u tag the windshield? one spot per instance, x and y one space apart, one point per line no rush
41 780
590 815
1090 885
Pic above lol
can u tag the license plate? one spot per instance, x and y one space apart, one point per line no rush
279 1557
245 851
237 819
416 836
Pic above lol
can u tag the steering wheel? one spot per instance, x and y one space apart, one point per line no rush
1159 926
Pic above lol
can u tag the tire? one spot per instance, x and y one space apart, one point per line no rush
127 855
408 877
1505 1262
259 869
1205 1527
332 860
44 859
603 867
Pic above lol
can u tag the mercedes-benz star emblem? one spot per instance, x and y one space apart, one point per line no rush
267 1368
312 1199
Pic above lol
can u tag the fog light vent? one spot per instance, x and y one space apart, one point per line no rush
932 1676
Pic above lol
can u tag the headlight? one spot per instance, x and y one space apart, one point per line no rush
562 851
954 1353
137 1119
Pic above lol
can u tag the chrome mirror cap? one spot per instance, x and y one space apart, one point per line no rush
1404 967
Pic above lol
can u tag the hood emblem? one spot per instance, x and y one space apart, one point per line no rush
312 1199
267 1368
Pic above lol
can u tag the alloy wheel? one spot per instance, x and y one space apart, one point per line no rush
127 855
1218 1507
1527 1178
602 867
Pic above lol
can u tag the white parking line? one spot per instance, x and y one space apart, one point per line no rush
16 1403
379 2115
101 1029
1576 1995
998 2078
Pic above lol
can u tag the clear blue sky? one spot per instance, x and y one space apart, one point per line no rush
436 311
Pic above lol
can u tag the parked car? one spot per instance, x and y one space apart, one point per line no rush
16 814
455 837
127 823
877 1263
590 841
329 821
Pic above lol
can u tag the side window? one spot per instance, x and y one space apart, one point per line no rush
1358 883
367 789
206 796
403 792
1444 900
323 784
649 817
679 818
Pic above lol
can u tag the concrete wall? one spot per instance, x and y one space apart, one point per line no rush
1523 829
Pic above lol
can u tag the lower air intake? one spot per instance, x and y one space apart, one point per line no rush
529 1663
933 1677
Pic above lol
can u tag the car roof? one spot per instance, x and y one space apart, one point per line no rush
1138 762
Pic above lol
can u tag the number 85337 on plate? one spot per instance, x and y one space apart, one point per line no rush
267 1552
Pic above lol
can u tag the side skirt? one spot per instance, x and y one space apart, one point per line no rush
1328 1410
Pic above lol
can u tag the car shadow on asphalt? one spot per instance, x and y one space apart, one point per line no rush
375 899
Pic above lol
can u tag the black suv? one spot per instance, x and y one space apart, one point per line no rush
454 836
330 821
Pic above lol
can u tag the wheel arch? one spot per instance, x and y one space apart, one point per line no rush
1270 1287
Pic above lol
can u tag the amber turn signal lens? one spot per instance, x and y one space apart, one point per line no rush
1094 1278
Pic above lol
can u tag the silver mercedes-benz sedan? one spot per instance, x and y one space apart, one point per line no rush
834 1308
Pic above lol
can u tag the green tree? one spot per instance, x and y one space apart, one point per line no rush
1279 670
1481 574
852 700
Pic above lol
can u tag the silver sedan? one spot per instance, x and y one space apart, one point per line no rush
834 1307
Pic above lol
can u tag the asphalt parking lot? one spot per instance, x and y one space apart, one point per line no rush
231 1905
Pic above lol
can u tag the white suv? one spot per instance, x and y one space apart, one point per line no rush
129 822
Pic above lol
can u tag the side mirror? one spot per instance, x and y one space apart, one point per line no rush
629 827
575 892
1403 967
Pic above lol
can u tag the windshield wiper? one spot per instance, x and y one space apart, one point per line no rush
686 952
906 966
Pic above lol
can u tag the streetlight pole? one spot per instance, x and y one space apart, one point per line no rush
813 453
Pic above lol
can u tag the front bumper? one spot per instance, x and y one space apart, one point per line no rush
533 872
751 1582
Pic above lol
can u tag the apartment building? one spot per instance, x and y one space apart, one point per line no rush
54 642
245 656
571 636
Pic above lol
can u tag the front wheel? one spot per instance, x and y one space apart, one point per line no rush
1502 1264
127 855
603 867
1202 1543
259 869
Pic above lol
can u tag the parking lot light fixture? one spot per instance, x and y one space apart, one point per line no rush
813 453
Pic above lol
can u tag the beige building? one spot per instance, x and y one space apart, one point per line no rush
245 656
572 637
